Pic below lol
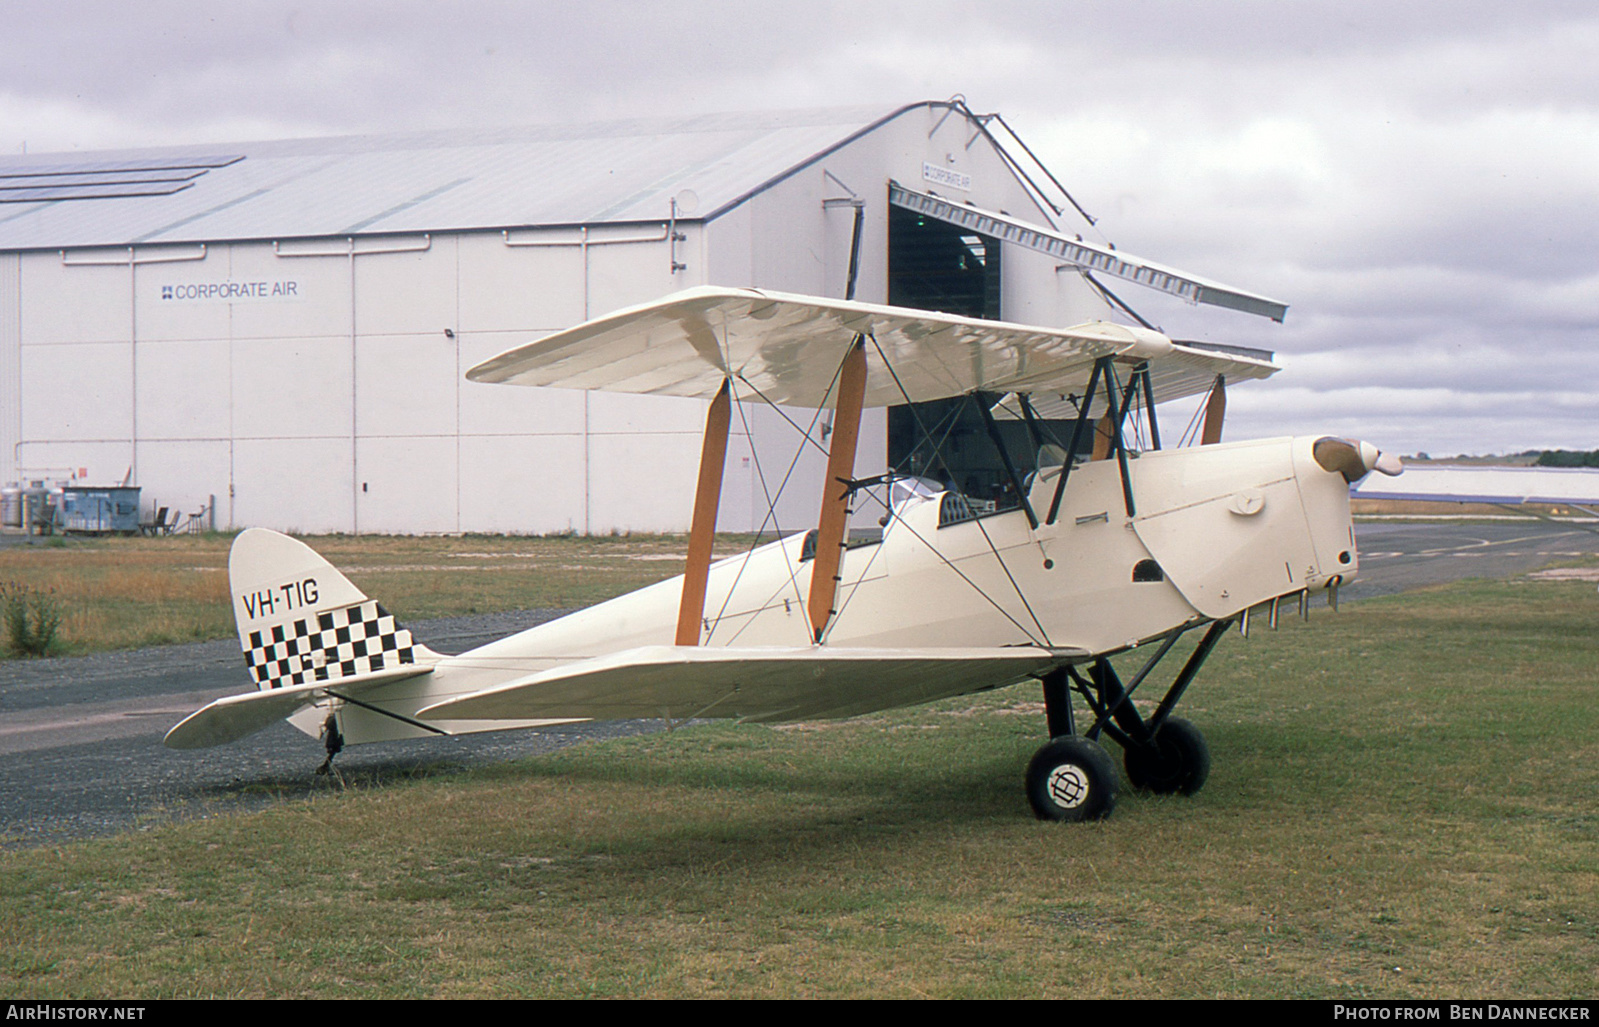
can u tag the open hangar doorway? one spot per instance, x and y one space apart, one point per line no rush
936 265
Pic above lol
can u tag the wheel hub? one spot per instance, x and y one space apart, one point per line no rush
1068 786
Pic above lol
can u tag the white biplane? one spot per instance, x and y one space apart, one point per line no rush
1092 548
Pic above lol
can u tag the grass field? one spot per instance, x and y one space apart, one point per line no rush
118 593
1404 803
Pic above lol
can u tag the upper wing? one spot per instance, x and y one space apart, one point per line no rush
788 348
750 684
1575 486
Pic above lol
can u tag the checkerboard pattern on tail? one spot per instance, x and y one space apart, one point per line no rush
328 646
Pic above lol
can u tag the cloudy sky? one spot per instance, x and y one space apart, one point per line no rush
1418 180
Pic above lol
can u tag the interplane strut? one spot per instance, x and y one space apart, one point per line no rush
702 533
831 528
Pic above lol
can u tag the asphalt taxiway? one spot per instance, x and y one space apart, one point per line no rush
80 738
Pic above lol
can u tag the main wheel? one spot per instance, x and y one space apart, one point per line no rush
1072 778
1177 760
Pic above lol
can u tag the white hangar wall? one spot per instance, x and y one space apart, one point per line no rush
317 384
313 388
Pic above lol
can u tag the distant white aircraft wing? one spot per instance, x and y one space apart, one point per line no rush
769 685
1574 486
788 348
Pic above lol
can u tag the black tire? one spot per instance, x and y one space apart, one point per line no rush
1176 762
1072 779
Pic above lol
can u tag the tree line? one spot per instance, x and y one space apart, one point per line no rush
1568 458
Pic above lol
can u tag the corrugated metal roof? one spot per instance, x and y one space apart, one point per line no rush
437 181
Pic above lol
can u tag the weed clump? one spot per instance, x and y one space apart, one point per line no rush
31 617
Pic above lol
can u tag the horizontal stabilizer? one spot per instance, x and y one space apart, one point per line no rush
239 716
682 682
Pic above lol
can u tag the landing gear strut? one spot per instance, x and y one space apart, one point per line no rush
1073 778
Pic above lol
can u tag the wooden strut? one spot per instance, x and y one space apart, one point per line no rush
830 529
702 534
1104 439
1215 411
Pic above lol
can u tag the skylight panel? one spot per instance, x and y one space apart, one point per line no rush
104 179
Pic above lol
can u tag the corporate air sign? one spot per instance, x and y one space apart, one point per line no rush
946 176
230 291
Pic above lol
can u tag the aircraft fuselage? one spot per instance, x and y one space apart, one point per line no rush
1214 531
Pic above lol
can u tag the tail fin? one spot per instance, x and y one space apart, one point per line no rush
301 622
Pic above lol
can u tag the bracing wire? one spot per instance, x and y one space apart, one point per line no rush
1192 431
806 433
900 525
986 538
771 498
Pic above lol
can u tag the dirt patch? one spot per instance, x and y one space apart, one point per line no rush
1566 574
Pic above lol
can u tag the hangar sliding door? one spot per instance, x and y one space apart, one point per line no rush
945 255
997 227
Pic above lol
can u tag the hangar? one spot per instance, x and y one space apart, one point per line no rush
277 331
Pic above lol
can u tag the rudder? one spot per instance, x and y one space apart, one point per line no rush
302 622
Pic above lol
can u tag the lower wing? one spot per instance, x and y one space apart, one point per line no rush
770 685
